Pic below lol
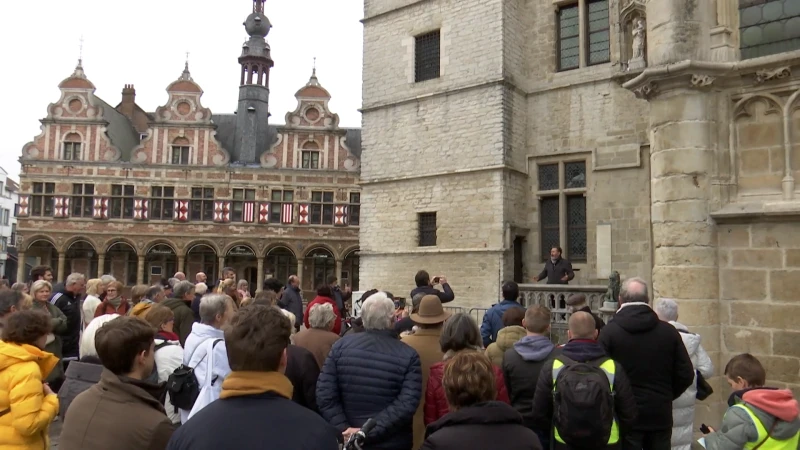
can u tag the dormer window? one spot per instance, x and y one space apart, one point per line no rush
180 151
310 155
72 147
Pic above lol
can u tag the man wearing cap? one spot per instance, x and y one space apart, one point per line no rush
429 318
577 302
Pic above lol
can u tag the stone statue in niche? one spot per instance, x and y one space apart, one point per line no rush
639 36
612 294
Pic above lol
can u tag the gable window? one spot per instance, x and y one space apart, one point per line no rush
121 201
767 27
281 207
310 155
321 208
354 213
72 147
82 201
180 151
583 46
562 209
427 229
202 206
6 216
42 201
243 205
162 202
427 51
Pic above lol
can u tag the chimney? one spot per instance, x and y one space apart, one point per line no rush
127 106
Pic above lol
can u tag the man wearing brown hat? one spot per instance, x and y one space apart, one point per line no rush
577 302
429 318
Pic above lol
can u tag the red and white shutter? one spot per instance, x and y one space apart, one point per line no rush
181 213
100 208
24 206
303 214
340 215
249 212
222 211
287 213
61 207
140 209
263 213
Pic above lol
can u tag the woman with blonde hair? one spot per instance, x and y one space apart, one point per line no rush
27 404
94 289
40 291
243 288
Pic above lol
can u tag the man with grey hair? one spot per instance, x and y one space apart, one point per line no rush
180 276
67 299
319 338
155 294
655 360
216 312
683 406
183 294
389 395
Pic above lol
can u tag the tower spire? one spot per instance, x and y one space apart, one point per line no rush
258 6
313 81
186 75
79 68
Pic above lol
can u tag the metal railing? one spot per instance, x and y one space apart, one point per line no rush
554 297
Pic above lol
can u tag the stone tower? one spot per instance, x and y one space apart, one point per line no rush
253 111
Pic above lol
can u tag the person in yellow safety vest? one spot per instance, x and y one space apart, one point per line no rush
758 417
581 349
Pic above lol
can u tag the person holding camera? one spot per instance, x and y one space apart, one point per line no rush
425 286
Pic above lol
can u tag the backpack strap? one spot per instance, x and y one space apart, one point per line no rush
608 366
162 345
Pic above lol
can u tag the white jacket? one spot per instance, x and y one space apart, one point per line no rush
90 304
683 406
194 356
168 358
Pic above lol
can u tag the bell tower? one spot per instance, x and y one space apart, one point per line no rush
253 110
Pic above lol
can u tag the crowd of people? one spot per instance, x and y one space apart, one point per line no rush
182 365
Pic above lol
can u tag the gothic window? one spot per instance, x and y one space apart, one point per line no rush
162 202
768 27
593 39
42 202
82 200
72 147
121 201
354 215
310 155
427 229
562 209
427 56
321 208
180 151
202 206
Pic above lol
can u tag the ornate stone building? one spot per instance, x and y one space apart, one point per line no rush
659 139
142 195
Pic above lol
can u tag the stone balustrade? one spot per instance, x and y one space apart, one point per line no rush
554 296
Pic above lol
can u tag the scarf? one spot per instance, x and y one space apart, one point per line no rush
167 336
238 384
115 302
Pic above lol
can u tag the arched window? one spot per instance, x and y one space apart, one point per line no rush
768 27
180 151
72 147
310 155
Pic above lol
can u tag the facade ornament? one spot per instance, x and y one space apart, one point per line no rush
700 81
611 299
646 90
762 76
639 44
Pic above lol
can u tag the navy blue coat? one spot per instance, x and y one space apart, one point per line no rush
493 320
372 375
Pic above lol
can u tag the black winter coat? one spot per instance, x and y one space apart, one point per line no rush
521 380
480 427
255 421
655 360
302 370
446 296
70 305
584 351
372 375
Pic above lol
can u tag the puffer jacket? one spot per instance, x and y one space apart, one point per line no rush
25 412
58 322
372 375
81 375
493 320
506 339
436 405
683 406
169 356
194 353
776 409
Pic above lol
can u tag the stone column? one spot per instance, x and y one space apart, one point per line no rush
181 263
21 275
678 30
300 271
62 262
101 262
338 271
260 275
221 265
140 271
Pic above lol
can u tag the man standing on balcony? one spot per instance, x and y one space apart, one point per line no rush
557 269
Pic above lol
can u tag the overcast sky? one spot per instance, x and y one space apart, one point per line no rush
144 42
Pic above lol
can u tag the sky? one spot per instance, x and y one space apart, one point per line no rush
144 43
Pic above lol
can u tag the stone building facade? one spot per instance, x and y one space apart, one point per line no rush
142 195
659 139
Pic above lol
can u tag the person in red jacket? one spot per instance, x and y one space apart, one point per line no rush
324 295
460 334
114 302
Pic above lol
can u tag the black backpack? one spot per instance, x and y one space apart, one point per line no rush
583 404
183 387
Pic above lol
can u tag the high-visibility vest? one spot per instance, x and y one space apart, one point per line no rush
610 369
769 442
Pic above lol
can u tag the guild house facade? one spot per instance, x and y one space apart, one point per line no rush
658 139
141 195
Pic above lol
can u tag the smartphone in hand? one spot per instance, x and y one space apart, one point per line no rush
704 429
435 280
